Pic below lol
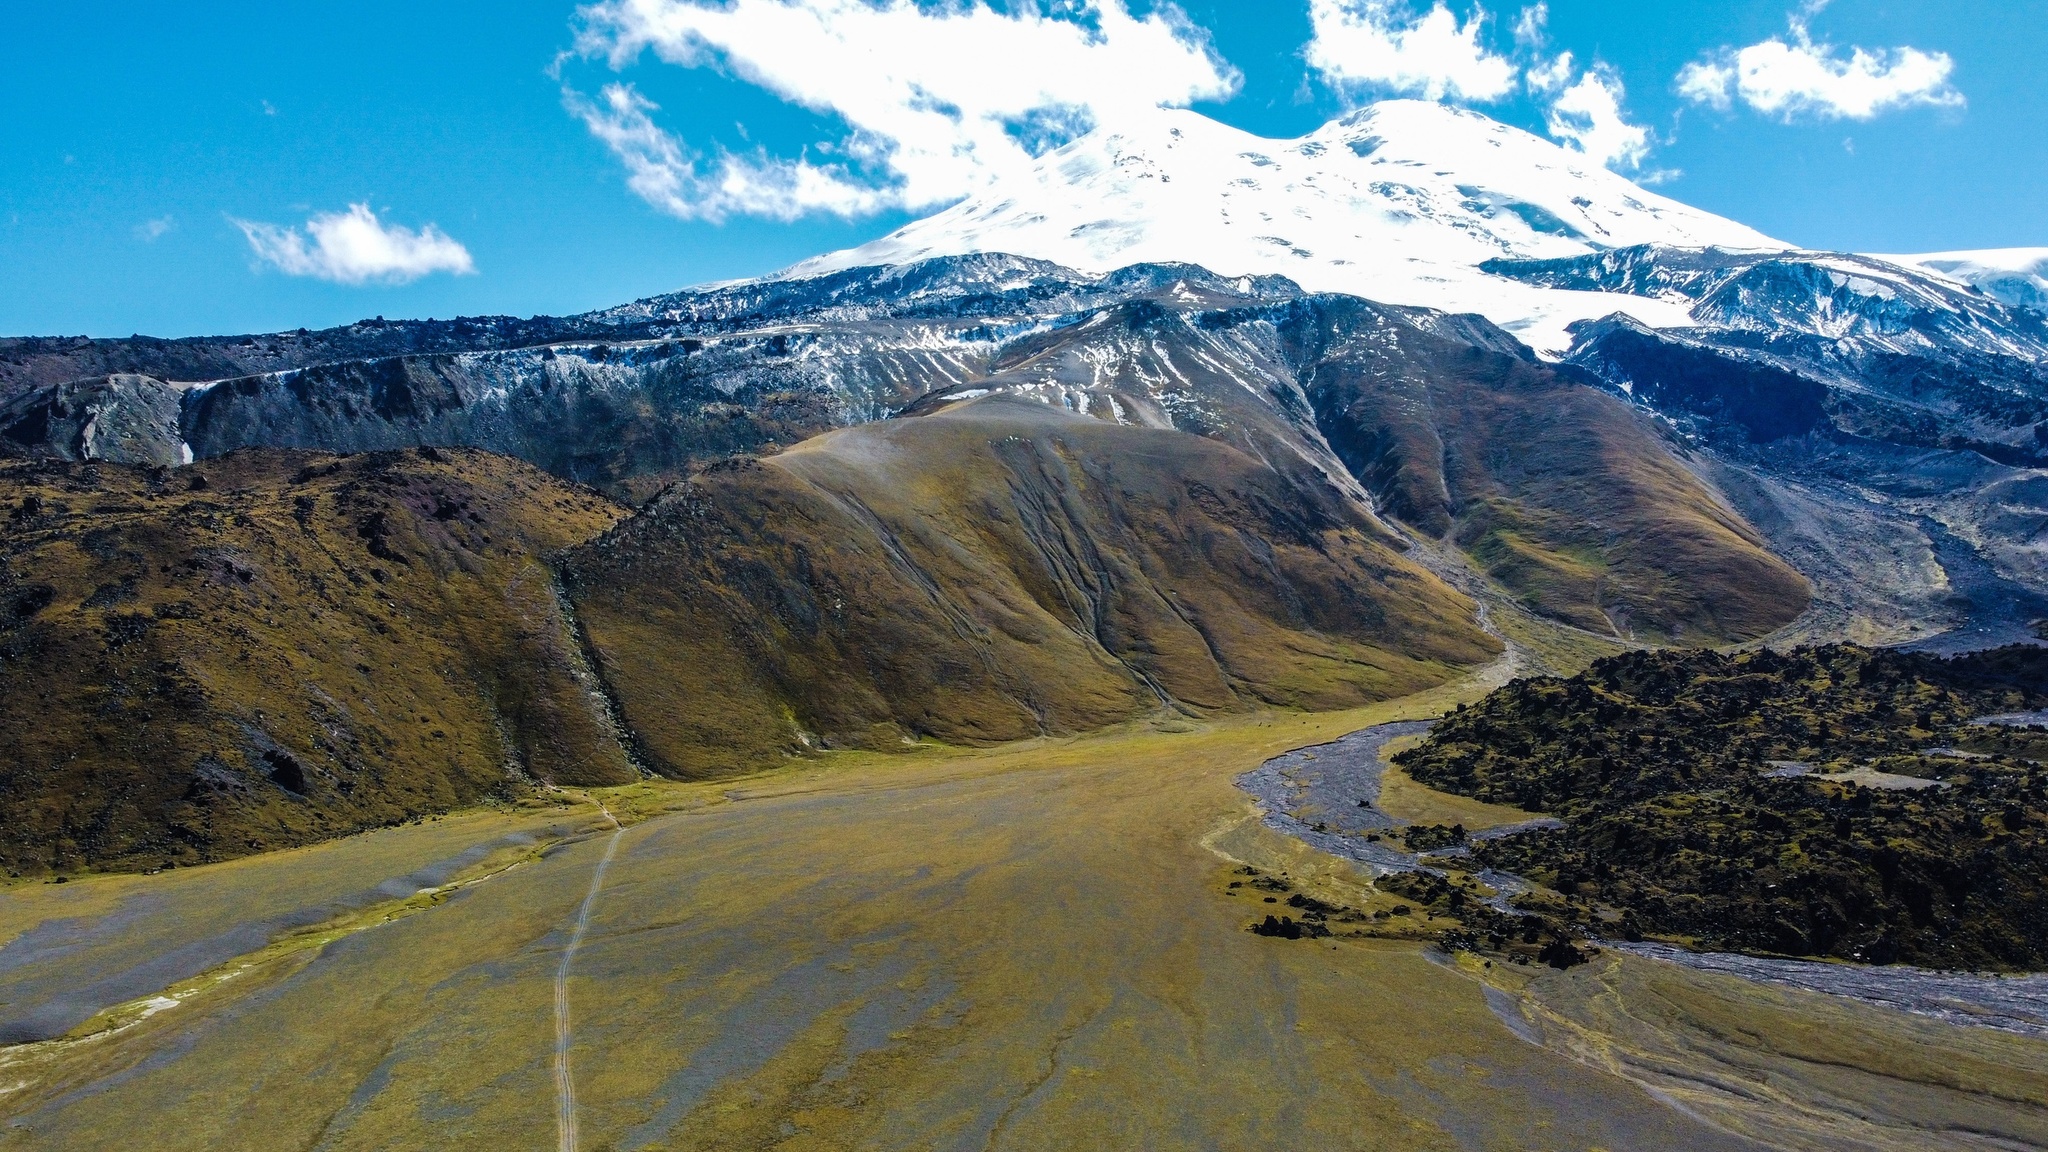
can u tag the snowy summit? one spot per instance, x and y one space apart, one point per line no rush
1400 202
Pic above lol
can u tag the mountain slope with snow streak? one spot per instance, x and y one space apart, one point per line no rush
1399 202
1859 304
2015 276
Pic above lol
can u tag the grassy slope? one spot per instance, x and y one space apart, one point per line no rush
990 573
1564 495
301 647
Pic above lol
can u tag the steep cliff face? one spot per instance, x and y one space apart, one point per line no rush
1669 374
624 417
996 570
277 647
1863 303
124 419
30 362
1893 354
664 384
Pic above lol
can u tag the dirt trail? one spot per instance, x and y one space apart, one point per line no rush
565 1080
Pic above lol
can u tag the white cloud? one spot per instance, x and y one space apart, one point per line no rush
1709 82
1588 116
1381 44
662 173
354 247
1367 44
150 231
937 102
1585 107
1548 77
1802 77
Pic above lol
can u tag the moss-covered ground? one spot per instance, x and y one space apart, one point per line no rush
1032 946
1832 801
274 648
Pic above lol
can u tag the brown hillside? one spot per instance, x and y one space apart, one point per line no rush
277 647
998 570
1564 494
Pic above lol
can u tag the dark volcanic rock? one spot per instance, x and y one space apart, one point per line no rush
125 419
1676 376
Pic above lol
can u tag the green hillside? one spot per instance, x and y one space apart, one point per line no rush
280 647
997 571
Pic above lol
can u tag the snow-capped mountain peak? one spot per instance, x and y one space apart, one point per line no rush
1399 202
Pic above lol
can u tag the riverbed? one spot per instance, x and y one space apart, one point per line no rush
2008 1003
1326 796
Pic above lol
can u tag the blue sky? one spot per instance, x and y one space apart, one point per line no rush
160 164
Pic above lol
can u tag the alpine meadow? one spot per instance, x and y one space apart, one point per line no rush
1254 580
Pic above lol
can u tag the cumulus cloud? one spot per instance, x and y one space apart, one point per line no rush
937 101
1585 107
1799 76
1383 45
150 231
1366 44
1549 77
1588 116
1546 76
354 247
673 180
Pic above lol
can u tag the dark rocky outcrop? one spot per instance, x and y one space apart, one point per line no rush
124 419
1675 376
1810 802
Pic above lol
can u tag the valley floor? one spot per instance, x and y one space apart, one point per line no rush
1028 947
